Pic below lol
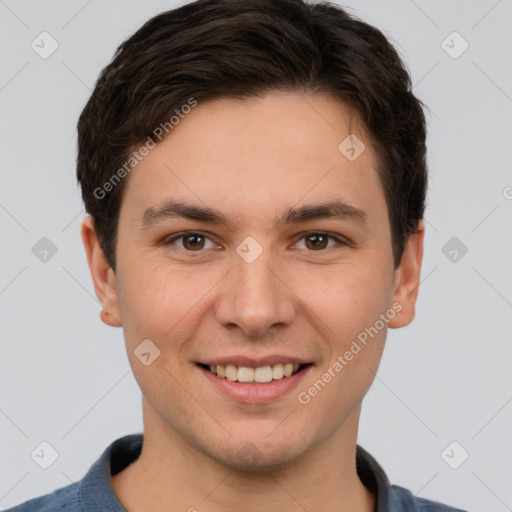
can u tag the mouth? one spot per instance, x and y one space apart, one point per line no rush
260 375
254 384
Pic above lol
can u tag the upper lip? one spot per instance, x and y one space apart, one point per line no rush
254 362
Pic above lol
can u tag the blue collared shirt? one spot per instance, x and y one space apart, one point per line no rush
94 492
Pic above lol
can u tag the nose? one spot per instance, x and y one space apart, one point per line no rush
254 297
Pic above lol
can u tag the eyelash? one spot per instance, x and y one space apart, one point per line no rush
170 241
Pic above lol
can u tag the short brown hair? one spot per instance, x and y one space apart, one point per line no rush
211 49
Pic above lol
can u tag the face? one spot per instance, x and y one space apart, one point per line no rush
272 277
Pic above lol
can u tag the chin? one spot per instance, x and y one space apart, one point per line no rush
258 455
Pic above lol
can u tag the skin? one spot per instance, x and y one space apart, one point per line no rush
251 160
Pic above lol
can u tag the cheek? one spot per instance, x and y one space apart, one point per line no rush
345 299
349 304
161 302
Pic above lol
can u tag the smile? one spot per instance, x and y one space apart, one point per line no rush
260 375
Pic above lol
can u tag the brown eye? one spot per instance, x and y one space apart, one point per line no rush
193 242
319 241
316 241
190 242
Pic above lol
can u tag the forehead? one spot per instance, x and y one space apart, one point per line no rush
254 156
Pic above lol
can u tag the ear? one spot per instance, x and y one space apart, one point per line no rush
102 274
407 279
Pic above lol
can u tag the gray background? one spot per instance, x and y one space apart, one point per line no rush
65 377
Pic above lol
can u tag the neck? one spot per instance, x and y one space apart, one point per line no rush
170 471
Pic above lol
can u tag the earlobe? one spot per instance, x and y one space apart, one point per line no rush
108 319
102 274
407 279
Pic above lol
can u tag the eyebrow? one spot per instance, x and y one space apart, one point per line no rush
172 209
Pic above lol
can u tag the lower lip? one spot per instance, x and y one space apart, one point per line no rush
256 393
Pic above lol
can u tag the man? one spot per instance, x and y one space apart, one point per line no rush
255 177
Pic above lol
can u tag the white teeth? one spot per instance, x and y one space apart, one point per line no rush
245 374
262 374
277 371
231 372
288 369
